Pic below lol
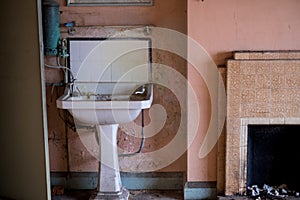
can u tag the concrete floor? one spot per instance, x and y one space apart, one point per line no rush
134 195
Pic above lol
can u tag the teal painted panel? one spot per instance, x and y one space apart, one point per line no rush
139 183
200 193
132 181
199 190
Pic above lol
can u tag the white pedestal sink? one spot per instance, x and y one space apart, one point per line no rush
106 112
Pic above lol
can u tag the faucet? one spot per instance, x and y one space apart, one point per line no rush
141 92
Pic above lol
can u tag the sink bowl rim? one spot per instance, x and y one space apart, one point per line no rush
64 102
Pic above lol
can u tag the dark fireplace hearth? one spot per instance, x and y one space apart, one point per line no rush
273 155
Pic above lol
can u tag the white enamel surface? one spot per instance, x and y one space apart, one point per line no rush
115 69
110 180
89 110
106 63
66 102
105 116
117 89
110 60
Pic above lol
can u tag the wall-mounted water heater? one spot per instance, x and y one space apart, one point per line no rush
51 32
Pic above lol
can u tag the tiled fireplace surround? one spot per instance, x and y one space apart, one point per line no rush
262 88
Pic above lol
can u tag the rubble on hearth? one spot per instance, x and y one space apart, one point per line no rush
271 192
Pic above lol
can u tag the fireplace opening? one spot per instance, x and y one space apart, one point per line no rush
273 155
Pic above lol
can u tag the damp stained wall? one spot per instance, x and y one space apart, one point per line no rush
168 14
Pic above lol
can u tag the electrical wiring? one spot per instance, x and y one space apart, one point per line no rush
61 67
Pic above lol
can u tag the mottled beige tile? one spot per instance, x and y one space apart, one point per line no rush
234 138
292 110
232 124
263 68
231 186
232 176
233 82
248 81
292 95
263 96
234 111
292 81
233 97
268 89
233 155
293 55
278 95
241 55
263 81
233 104
233 67
248 96
248 67
278 81
266 55
292 67
262 107
277 110
277 69
229 133
233 161
248 110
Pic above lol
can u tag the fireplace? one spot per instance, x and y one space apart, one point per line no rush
263 89
273 156
263 137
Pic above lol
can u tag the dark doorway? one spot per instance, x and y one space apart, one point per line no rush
274 155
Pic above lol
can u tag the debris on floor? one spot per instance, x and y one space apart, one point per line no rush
266 192
134 195
156 194
271 192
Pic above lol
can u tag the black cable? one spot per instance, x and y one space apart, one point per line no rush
67 147
142 141
143 134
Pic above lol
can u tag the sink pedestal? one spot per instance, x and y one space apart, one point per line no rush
109 180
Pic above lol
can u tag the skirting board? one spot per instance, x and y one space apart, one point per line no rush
132 181
200 190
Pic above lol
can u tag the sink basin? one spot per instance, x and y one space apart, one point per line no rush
110 86
106 105
99 109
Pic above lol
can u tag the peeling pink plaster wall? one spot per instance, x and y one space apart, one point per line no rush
165 13
225 26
